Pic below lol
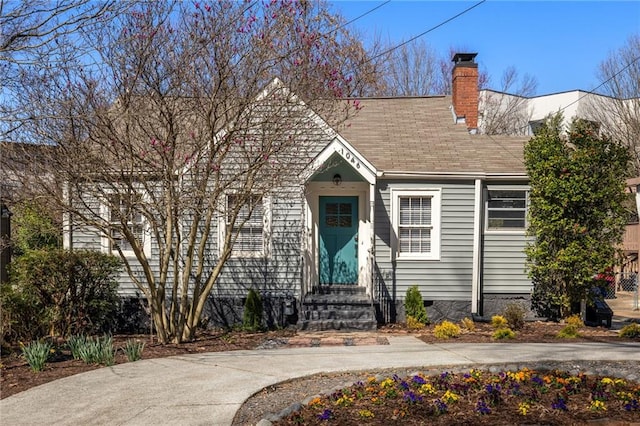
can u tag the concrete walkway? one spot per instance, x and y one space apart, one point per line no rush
209 388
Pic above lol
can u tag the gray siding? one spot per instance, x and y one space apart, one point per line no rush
504 263
280 271
86 237
446 279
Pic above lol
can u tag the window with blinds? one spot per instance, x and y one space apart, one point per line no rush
507 210
415 225
124 212
248 228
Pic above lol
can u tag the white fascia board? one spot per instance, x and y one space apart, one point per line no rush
349 154
453 175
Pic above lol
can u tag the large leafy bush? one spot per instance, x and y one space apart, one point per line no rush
58 292
577 212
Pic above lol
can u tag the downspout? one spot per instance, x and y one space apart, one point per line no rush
372 209
638 200
476 272
67 228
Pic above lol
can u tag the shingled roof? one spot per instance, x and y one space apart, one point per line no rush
418 135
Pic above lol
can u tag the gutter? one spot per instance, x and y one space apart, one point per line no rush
452 175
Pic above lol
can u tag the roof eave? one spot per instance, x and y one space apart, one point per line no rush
453 175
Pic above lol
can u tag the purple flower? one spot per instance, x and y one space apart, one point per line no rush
325 415
482 408
515 390
537 380
632 405
404 385
441 406
418 380
412 398
559 404
491 389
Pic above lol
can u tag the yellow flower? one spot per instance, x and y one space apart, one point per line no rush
523 408
386 383
598 406
344 401
607 381
427 389
450 397
366 414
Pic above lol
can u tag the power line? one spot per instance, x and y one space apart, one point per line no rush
356 18
591 92
427 31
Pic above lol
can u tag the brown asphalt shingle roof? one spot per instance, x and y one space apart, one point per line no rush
418 134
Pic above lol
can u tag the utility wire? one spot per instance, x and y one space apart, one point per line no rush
356 18
426 32
591 92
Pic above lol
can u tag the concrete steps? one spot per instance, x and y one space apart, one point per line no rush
337 308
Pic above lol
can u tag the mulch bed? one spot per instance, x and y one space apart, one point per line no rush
17 377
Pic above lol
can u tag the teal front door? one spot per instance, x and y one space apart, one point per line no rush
338 243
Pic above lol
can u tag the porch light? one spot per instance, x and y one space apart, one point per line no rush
337 179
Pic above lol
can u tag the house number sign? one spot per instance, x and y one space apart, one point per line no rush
348 155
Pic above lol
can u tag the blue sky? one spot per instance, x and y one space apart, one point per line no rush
561 43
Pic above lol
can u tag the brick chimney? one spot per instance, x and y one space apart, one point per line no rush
464 86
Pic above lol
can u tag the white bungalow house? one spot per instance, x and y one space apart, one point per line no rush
405 193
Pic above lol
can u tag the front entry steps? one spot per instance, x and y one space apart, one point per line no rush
337 307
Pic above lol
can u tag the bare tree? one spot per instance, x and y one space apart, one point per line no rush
412 70
506 112
171 138
618 112
416 69
32 34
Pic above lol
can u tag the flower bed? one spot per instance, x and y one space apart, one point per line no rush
476 397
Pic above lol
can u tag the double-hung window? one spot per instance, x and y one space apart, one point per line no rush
124 213
416 223
507 209
248 229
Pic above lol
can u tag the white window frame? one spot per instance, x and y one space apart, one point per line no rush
106 242
519 231
436 206
266 230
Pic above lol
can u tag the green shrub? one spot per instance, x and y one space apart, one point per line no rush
569 331
75 342
630 331
98 350
37 353
514 314
503 333
133 350
468 324
57 292
34 228
414 324
446 330
21 316
414 305
252 315
498 322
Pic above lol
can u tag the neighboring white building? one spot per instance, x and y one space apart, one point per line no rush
505 113
522 115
